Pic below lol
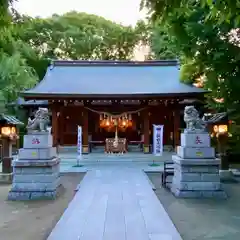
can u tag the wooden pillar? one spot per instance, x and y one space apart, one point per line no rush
146 144
61 125
7 155
176 128
85 132
55 133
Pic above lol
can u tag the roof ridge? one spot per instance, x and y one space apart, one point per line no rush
114 63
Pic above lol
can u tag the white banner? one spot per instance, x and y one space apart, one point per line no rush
157 140
79 141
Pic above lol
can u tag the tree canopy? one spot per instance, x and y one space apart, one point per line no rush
205 36
79 36
222 11
16 74
29 44
205 46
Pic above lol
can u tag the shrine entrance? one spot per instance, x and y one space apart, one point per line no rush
114 100
115 128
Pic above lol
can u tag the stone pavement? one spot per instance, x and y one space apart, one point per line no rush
115 203
203 219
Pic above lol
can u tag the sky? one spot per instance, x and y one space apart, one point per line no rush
120 11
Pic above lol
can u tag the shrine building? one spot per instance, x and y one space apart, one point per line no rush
114 97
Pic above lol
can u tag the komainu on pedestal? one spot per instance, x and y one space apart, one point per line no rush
40 121
196 170
36 171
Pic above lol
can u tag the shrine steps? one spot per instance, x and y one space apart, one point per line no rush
67 158
96 149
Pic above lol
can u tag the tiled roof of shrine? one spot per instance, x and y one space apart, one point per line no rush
8 119
217 117
21 102
111 79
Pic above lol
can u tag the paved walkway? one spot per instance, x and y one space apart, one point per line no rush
115 204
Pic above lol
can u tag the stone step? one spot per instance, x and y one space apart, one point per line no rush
95 149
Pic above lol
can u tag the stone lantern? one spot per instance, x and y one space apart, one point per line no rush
9 136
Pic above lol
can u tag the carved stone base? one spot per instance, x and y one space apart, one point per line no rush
193 152
35 179
38 140
33 195
37 153
197 178
195 140
220 194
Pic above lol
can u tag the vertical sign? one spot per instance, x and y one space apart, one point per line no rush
157 140
79 142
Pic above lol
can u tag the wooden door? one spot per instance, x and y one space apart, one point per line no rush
71 117
163 117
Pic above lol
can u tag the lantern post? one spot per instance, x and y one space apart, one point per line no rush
221 133
8 136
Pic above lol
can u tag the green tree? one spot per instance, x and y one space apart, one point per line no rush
219 10
155 36
5 16
15 73
160 43
209 46
79 36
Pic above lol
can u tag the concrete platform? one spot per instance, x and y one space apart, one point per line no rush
115 203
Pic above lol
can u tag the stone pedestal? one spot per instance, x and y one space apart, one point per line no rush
36 171
196 170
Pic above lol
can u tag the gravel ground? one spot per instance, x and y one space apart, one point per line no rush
34 220
202 219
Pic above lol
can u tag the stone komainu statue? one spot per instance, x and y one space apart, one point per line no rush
193 122
40 121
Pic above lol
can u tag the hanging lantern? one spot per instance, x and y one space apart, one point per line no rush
130 117
101 117
102 123
130 123
107 123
